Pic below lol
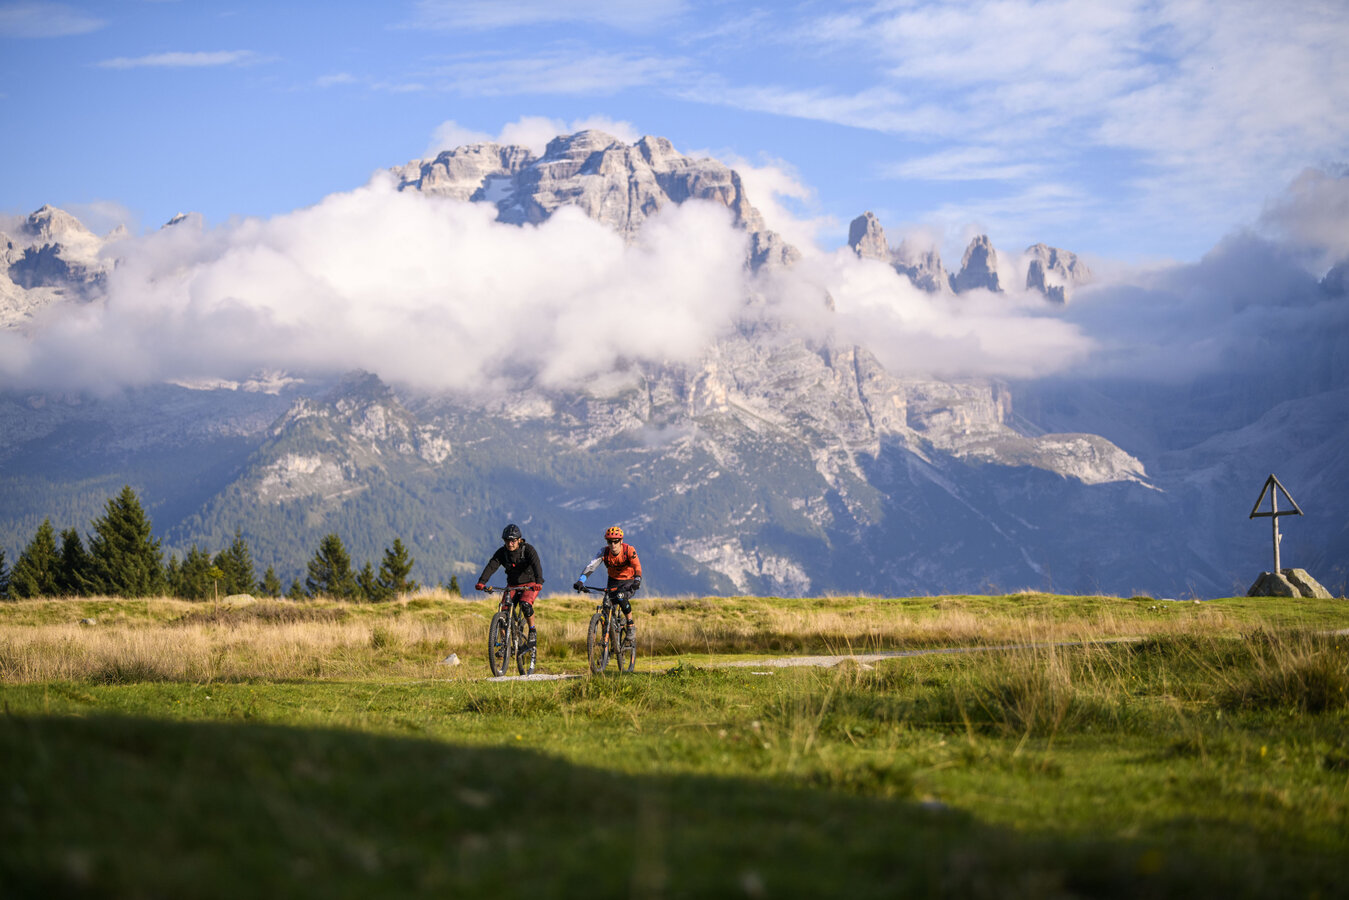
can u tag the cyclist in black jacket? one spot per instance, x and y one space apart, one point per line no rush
523 570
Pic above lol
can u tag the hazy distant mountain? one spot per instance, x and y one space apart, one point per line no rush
773 464
1048 270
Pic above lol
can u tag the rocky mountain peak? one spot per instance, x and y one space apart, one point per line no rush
923 266
978 268
52 255
1054 272
867 238
618 184
465 173
50 224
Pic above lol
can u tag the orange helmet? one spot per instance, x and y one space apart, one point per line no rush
613 533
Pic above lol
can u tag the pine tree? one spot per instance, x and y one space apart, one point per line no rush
369 586
38 567
4 577
237 565
271 585
330 571
296 591
192 580
173 576
393 571
76 575
453 586
126 558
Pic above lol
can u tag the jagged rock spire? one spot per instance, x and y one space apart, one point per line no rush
978 268
867 238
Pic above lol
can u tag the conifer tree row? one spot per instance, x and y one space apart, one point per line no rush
123 559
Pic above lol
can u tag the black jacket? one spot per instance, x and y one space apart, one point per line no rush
522 566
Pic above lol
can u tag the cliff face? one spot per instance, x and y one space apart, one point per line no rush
618 184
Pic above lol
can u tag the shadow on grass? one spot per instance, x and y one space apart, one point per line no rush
121 807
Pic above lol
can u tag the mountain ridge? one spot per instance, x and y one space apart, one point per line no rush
774 463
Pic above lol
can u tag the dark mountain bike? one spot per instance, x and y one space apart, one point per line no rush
508 634
608 638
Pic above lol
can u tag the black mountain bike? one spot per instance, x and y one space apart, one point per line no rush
508 635
608 638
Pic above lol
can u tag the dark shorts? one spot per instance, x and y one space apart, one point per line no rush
626 588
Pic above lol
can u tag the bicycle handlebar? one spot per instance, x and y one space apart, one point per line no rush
492 589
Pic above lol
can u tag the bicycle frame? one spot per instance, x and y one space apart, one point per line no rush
507 636
605 636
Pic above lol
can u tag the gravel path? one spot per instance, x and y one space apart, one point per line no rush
864 658
783 662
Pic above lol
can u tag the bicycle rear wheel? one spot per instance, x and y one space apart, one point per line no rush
597 644
498 636
525 655
626 649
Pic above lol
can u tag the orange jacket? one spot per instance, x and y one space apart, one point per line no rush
623 564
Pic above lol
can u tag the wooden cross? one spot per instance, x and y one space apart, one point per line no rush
1274 511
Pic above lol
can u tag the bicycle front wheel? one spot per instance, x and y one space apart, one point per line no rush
597 644
498 636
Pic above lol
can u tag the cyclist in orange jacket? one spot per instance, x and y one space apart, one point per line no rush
625 571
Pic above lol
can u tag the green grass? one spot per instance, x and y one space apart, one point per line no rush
1210 758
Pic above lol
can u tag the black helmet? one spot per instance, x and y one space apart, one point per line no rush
511 533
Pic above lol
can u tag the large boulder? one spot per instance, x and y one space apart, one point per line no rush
1306 585
1288 583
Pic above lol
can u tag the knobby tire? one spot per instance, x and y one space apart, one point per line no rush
597 649
525 655
626 653
498 639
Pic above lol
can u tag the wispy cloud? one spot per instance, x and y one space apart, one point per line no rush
1204 104
45 20
491 14
185 60
964 164
556 72
336 79
875 108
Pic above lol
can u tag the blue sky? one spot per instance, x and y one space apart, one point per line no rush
1128 130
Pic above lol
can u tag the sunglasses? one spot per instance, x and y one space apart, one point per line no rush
615 540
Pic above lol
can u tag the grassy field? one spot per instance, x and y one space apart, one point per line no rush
1085 746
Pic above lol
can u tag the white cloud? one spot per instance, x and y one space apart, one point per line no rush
436 293
412 287
579 71
964 164
492 14
45 20
1314 215
335 79
916 333
770 188
417 289
184 60
1179 112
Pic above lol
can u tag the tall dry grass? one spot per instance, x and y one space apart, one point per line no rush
165 639
246 649
692 626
